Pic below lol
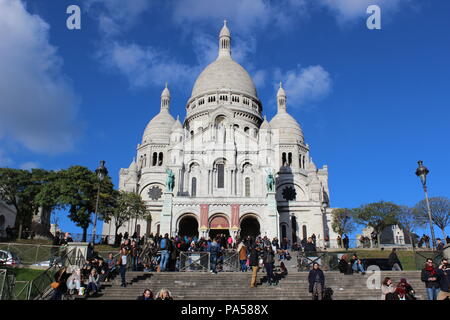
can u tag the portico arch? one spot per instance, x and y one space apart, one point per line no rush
188 225
249 226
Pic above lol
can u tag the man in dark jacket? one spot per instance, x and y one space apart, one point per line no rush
310 246
254 263
316 280
444 280
429 276
394 261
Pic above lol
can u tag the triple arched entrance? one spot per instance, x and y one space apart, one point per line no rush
218 225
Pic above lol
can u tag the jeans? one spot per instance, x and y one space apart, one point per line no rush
243 265
134 263
213 262
358 267
432 293
123 269
269 270
92 287
164 260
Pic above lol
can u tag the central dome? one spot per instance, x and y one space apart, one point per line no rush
224 73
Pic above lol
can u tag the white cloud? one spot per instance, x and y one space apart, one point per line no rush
259 78
146 66
117 16
37 102
347 10
304 86
245 15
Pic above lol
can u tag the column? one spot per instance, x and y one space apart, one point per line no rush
166 214
272 216
235 219
204 212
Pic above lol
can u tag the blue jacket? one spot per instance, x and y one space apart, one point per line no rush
214 248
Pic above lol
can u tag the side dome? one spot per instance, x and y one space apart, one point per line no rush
159 128
224 73
288 128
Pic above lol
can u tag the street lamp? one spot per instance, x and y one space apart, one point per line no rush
101 172
422 172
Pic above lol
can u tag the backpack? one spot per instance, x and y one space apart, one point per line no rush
163 244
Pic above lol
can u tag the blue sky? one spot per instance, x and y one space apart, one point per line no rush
370 102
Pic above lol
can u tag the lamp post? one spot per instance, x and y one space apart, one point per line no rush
101 172
422 172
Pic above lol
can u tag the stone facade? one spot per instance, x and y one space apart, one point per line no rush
221 156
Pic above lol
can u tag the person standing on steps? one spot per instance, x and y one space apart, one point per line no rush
214 250
268 260
242 251
443 273
316 280
123 265
164 245
430 277
254 264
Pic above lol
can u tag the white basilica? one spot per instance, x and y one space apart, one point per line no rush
210 174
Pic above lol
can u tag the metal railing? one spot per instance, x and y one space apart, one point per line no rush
328 261
194 261
229 261
22 290
40 286
6 284
31 254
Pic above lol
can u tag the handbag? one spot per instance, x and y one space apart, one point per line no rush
54 284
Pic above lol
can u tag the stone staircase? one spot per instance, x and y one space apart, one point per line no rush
235 286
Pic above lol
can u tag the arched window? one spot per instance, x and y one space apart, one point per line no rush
194 187
283 159
247 187
220 175
246 129
305 233
154 159
160 159
289 158
300 161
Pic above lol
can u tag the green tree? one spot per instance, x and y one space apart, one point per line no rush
378 215
14 191
24 190
409 221
77 188
440 212
342 221
128 205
